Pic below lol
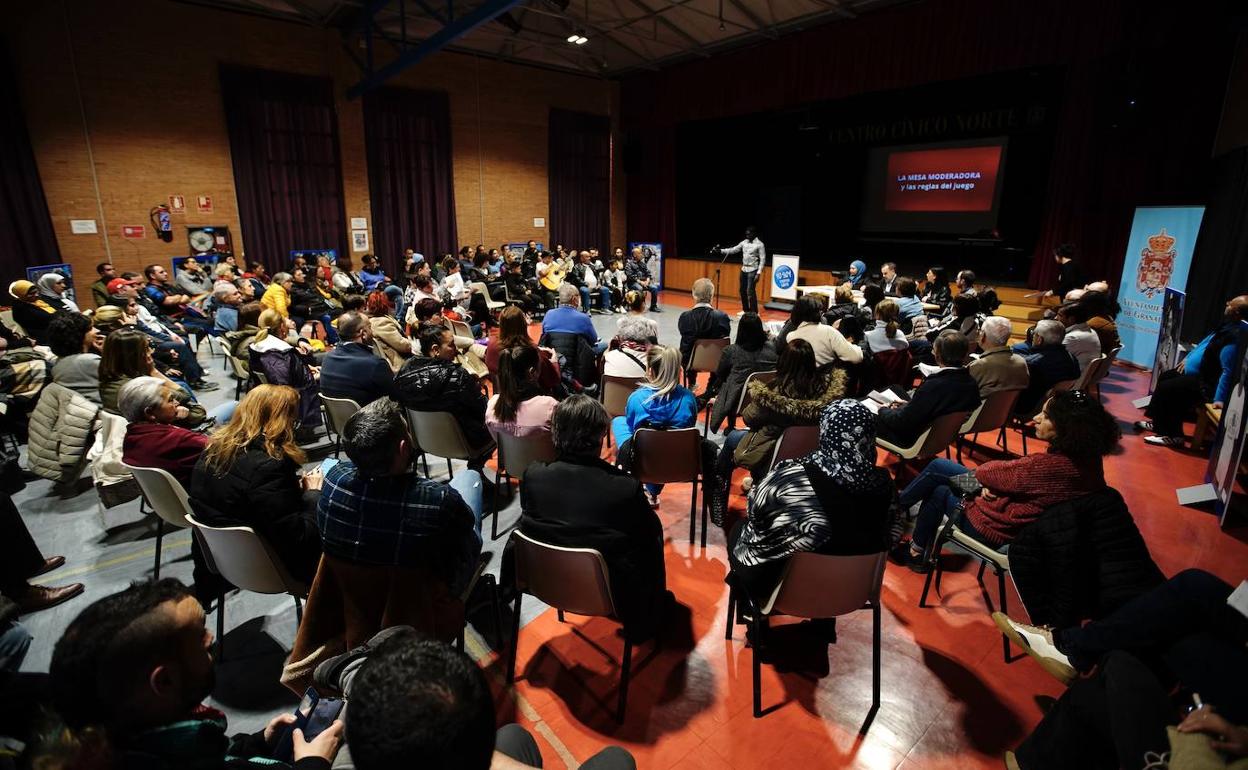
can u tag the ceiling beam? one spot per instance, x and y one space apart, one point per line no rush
755 19
661 19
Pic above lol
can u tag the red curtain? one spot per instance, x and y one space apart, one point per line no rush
410 180
26 234
1109 156
287 173
580 180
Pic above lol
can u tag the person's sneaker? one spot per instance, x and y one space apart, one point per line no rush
1038 643
652 498
204 386
1170 441
327 676
1143 425
747 484
656 309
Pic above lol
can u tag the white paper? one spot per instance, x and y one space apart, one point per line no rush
871 405
359 223
927 370
1239 598
539 221
359 240
1140 403
885 397
82 227
1201 493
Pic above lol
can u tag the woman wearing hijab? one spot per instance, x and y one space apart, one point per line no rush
52 288
832 501
31 311
857 273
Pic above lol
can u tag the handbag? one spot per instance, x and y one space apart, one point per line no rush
966 485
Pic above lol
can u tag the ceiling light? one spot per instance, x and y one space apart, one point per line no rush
582 40
573 37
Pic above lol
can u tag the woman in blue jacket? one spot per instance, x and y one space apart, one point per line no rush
660 402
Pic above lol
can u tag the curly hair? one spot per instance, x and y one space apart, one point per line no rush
67 331
1084 430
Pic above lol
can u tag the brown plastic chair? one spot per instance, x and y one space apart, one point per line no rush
742 402
950 534
337 412
931 442
672 456
515 455
796 441
992 414
615 392
570 580
439 434
817 586
704 357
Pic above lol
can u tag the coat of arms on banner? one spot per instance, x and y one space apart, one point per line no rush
1156 264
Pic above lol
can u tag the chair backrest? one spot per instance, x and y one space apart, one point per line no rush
1086 377
236 364
615 392
1113 355
665 456
819 586
479 288
796 441
438 434
1057 388
891 367
1102 366
164 493
993 411
243 558
942 433
706 354
570 579
339 411
460 329
764 377
515 454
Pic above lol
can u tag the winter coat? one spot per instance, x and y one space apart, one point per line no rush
260 492
285 367
1082 559
735 367
576 351
434 385
770 412
62 429
390 342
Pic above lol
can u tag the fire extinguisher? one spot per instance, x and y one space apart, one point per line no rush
161 223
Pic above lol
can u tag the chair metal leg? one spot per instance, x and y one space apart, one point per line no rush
693 508
760 623
875 653
732 607
515 641
626 667
495 605
494 526
450 473
298 612
927 584
983 565
221 628
958 443
1001 601
160 537
706 510
559 614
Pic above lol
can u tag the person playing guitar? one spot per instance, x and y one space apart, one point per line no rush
550 275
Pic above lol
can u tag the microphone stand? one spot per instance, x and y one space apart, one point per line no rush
717 268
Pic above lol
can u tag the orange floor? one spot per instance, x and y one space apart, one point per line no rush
949 700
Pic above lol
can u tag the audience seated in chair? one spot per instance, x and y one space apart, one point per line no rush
227 299
834 501
797 396
1101 313
1131 675
375 510
1204 376
128 680
1048 363
998 367
417 703
433 382
387 334
701 322
519 406
513 331
1079 339
633 340
581 501
353 369
30 311
635 307
951 389
127 355
937 295
567 319
249 475
1016 492
886 334
751 352
829 344
284 364
843 304
76 345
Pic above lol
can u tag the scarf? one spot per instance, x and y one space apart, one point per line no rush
857 279
46 282
18 291
846 452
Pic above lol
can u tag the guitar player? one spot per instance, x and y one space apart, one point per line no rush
549 276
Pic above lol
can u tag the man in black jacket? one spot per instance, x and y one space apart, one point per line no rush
580 501
353 369
951 389
701 322
135 667
433 382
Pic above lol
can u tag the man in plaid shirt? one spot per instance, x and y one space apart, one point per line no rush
376 510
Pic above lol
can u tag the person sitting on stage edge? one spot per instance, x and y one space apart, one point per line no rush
951 389
701 322
1204 376
1016 492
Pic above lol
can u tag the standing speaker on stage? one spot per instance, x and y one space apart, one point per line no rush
753 257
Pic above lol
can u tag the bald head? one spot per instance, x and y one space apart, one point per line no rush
1237 308
350 325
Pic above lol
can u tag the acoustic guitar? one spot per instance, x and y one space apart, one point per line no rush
554 276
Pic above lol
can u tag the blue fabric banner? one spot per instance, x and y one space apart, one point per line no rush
1159 253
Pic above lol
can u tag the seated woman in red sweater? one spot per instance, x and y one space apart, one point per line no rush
1016 492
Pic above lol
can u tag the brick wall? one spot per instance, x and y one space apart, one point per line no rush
129 90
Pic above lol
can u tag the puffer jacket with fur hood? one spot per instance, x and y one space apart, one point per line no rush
770 412
62 429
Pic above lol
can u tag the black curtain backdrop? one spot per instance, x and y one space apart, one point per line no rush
580 180
410 176
284 145
1109 155
26 234
1220 262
